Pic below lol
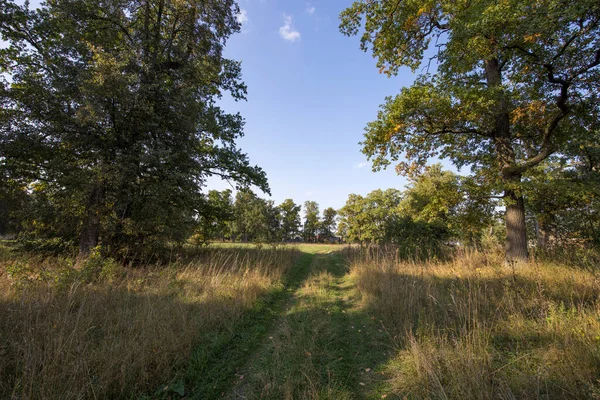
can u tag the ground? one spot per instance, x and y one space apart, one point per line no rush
319 343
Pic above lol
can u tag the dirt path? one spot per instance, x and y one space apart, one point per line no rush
322 346
213 367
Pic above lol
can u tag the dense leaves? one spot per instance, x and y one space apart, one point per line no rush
515 83
435 209
109 116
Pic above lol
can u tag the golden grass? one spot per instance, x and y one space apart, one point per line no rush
472 328
119 332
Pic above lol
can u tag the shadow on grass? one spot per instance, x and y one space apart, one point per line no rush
95 343
325 347
482 337
216 359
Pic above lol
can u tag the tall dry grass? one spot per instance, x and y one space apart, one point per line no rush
105 331
472 328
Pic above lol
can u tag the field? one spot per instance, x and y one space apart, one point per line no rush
298 322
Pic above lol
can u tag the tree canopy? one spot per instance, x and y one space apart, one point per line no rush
110 118
514 82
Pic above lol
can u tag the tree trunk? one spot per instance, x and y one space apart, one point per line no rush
546 228
516 230
90 231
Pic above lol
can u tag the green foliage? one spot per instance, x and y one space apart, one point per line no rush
290 219
516 82
328 223
311 221
370 218
216 214
434 209
251 220
45 246
109 111
97 268
563 196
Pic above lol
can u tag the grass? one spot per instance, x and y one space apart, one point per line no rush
213 368
472 328
104 331
311 248
242 322
324 346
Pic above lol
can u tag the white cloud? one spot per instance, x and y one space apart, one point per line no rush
362 164
310 9
287 31
242 17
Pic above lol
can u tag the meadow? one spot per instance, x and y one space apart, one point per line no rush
102 330
298 322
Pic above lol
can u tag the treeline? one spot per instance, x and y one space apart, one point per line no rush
439 207
249 218
436 209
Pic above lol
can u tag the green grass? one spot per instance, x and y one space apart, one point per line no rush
219 356
311 248
324 346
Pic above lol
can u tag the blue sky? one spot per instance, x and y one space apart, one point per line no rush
311 91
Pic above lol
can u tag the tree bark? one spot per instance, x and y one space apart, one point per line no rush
516 232
546 228
90 231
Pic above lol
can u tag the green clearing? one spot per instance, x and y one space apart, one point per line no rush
310 248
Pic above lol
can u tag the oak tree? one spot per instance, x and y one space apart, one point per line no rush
513 82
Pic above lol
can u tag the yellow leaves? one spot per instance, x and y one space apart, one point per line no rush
529 113
531 38
410 21
422 10
384 70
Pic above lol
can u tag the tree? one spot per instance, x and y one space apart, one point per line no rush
290 219
328 223
216 215
311 221
563 195
111 105
250 223
372 218
443 200
12 200
513 84
273 232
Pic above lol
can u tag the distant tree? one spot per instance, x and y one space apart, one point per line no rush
371 218
441 199
350 226
250 217
311 221
109 108
328 223
216 214
515 81
273 232
290 219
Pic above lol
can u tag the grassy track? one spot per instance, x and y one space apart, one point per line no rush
323 347
215 361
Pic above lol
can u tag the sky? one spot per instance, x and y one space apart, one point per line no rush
311 91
